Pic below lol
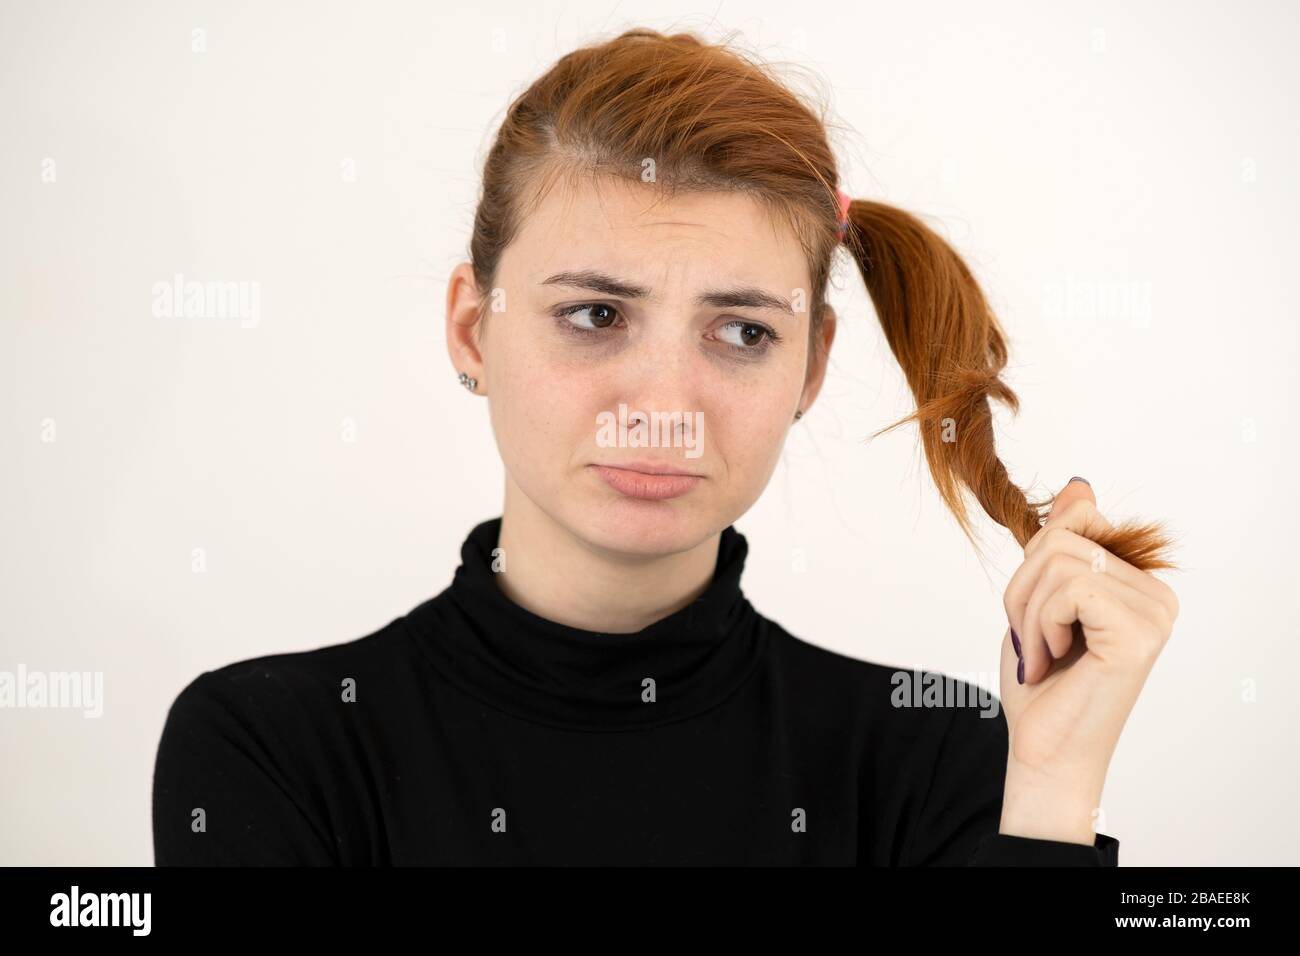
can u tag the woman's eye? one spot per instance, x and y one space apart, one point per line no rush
750 336
592 318
603 316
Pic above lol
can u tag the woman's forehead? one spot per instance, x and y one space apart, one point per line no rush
635 230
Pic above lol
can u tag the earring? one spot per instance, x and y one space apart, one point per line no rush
470 383
798 415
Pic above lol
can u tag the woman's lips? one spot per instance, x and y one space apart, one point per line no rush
639 484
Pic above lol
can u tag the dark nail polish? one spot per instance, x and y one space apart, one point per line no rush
1015 642
1084 480
1020 671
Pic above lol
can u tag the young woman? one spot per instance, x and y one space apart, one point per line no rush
644 310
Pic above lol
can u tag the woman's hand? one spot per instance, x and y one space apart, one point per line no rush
1087 629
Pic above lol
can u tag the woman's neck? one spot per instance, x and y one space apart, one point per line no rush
556 575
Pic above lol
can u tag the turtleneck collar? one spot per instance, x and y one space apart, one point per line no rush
563 676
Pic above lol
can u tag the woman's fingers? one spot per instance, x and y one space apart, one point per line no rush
1075 509
1037 644
1123 626
1060 539
1118 637
1056 557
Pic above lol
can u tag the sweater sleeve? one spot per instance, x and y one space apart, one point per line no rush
224 789
959 820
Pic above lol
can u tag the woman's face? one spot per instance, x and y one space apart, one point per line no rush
688 318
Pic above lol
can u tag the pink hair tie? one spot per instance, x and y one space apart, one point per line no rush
845 199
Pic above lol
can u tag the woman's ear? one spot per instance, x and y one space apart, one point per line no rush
464 306
819 357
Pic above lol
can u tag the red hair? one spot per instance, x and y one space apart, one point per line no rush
701 116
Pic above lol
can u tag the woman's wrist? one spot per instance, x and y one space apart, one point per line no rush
1045 809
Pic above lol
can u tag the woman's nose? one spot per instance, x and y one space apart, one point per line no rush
663 375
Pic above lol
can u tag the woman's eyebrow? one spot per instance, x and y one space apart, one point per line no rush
733 298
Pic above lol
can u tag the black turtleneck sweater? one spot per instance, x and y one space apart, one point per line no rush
473 732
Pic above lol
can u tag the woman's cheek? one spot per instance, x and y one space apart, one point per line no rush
767 439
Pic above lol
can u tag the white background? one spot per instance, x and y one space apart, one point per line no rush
1121 179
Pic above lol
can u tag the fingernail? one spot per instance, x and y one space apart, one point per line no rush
1020 671
1084 480
1015 642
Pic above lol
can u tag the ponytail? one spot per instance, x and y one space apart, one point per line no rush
952 352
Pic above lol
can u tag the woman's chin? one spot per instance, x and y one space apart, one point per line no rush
645 526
